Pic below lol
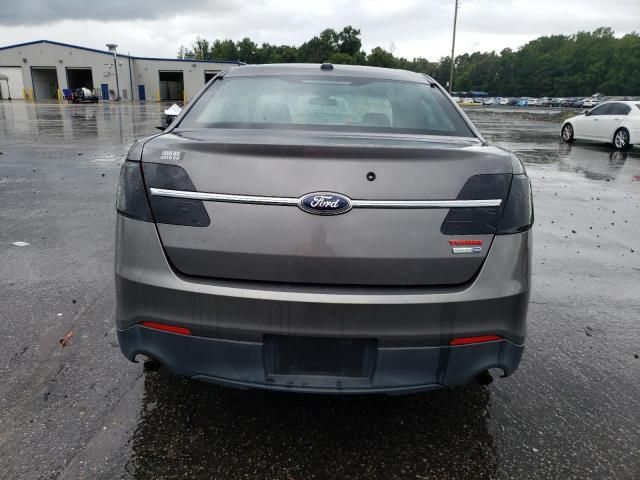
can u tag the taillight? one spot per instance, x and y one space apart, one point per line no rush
131 199
518 211
478 220
514 215
174 211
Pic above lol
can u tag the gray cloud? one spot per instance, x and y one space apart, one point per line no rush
34 12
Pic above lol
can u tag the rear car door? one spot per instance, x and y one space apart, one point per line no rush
611 120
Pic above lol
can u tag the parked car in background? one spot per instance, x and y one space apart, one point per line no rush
255 248
522 102
577 103
592 102
566 102
533 102
470 102
612 122
556 102
545 102
505 101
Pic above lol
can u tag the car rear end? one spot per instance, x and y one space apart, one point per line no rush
338 230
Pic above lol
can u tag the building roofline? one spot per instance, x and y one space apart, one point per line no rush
60 44
105 52
193 60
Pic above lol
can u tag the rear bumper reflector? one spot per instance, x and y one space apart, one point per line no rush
264 200
470 340
167 328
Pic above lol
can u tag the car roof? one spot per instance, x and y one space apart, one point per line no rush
276 69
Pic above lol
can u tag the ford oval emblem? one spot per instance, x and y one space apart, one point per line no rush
325 203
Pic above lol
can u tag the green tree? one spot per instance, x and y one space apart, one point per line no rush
247 50
201 49
555 65
340 58
224 50
379 57
349 41
319 49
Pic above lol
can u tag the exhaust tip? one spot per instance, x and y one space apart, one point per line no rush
150 364
484 378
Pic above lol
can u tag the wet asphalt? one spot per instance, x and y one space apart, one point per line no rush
81 410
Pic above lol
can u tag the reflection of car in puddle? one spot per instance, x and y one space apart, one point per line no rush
596 162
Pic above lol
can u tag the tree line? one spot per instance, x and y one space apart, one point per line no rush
556 65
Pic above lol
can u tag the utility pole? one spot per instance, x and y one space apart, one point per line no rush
453 47
112 48
130 76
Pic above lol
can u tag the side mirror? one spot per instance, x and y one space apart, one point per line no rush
586 112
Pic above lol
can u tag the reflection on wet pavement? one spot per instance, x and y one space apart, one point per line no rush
103 124
572 410
237 434
537 141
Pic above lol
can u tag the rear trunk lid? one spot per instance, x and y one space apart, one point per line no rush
394 243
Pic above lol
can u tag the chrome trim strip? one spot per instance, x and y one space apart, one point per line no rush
230 198
425 203
223 197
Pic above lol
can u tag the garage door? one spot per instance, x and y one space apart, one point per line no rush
45 83
15 89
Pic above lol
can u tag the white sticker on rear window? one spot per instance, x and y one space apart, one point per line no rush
171 155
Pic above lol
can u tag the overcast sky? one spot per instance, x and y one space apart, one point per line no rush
409 28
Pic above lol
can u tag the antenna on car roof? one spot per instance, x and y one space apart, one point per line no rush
431 81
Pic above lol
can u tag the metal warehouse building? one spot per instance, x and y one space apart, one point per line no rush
46 70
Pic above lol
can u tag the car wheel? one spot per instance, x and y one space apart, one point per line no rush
621 139
567 133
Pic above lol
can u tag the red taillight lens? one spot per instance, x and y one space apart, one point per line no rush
131 199
469 340
167 328
518 211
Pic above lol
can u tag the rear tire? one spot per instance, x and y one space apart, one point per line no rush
567 133
621 139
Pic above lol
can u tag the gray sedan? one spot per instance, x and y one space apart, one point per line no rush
322 228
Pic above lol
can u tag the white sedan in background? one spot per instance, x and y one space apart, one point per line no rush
615 122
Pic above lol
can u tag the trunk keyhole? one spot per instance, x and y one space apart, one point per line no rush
371 176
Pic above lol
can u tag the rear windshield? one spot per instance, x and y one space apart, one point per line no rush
317 103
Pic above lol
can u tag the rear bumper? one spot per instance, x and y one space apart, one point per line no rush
412 327
241 364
